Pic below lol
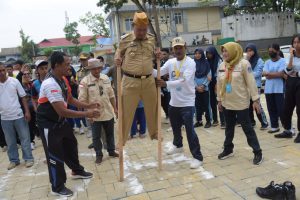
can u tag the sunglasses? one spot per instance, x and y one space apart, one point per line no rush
26 74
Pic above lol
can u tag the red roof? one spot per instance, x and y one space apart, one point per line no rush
54 42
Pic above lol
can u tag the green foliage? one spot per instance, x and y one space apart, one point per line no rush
28 47
47 51
72 33
96 24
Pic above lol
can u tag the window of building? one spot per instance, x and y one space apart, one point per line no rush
128 24
178 18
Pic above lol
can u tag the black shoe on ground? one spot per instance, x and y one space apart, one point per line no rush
264 127
272 191
223 126
113 154
297 139
81 175
274 130
65 192
98 160
225 154
198 124
258 158
215 123
207 125
284 134
91 146
290 190
253 124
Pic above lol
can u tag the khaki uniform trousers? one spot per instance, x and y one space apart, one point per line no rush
134 90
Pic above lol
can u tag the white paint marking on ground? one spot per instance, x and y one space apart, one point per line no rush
5 178
88 154
281 163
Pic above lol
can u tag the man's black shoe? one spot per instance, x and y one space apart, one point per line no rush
65 192
207 125
290 190
274 130
297 139
198 124
81 175
264 127
258 158
272 191
225 154
284 134
91 146
215 123
113 154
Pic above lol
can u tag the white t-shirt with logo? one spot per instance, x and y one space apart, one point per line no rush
10 91
182 89
51 91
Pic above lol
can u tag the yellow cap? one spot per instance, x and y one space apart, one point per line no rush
84 56
178 41
140 19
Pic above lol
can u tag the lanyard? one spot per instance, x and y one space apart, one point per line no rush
177 71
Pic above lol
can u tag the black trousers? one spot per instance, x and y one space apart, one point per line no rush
165 100
108 127
213 102
231 116
60 147
292 100
184 116
202 106
32 126
275 104
261 116
2 138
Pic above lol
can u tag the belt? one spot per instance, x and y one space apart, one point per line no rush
137 76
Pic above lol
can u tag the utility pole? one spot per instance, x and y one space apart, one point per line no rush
157 29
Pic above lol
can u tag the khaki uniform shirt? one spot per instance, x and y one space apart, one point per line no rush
243 86
138 55
82 72
93 90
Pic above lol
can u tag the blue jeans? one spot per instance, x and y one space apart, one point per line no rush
10 128
73 121
184 116
139 118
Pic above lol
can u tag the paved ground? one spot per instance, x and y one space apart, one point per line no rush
235 178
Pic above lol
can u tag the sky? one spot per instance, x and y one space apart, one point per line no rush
40 19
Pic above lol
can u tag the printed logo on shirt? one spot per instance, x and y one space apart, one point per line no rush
249 69
54 91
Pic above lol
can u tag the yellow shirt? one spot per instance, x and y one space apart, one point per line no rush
138 55
93 90
82 72
243 86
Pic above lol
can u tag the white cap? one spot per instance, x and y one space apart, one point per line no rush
40 62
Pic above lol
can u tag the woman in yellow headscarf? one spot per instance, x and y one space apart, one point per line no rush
235 86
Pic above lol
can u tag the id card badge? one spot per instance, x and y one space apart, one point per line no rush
228 88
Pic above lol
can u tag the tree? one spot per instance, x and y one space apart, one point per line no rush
28 48
96 24
142 6
73 36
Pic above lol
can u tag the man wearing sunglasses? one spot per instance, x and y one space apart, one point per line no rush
96 88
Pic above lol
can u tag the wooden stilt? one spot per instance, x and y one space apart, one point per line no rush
120 124
159 136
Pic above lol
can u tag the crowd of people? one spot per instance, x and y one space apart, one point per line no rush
51 101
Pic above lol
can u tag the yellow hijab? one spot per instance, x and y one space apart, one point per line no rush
235 52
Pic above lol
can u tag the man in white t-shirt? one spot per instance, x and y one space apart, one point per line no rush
181 70
13 119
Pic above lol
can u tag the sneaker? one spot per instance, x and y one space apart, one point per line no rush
258 158
198 124
223 126
290 190
91 146
207 125
264 127
274 130
284 134
81 131
253 124
4 149
195 164
89 134
32 146
297 139
142 135
272 191
65 192
174 150
239 125
215 123
29 164
98 160
12 165
113 154
225 154
81 175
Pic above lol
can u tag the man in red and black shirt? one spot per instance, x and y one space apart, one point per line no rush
59 142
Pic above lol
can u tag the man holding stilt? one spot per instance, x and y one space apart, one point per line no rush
136 55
